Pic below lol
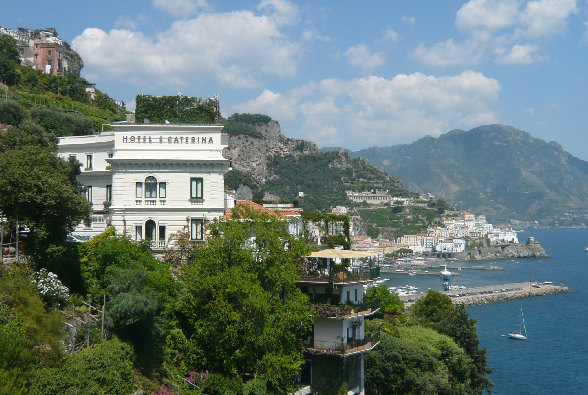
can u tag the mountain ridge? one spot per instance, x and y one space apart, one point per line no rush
496 170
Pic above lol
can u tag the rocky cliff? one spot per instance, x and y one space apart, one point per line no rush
518 250
251 154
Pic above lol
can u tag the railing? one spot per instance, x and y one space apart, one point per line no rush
346 310
343 347
196 202
157 244
150 202
357 274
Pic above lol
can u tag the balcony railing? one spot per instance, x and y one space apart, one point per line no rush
343 276
157 243
342 347
346 310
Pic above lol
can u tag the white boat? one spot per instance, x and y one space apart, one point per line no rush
519 335
445 273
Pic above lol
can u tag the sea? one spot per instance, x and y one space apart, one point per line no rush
554 358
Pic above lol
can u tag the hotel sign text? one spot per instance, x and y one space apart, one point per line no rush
167 140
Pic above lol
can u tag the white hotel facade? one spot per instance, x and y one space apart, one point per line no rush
150 181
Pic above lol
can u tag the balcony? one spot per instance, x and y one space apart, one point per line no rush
341 348
346 310
157 245
355 275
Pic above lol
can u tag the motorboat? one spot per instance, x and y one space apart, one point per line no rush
445 273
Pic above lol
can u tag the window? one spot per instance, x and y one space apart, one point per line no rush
162 187
89 161
72 157
150 187
197 229
89 193
161 233
138 232
139 190
49 54
348 296
356 294
110 154
195 188
49 63
108 193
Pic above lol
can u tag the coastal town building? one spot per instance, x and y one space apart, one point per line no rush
150 181
336 349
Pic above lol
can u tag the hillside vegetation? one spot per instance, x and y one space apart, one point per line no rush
495 170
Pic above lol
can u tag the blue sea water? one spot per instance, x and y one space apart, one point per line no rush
554 358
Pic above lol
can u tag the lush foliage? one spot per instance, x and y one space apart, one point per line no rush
240 311
139 291
389 303
245 124
177 109
38 188
324 178
103 369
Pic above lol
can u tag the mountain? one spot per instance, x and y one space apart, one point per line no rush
496 170
284 167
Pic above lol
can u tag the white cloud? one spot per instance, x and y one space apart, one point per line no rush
391 35
487 14
521 54
449 53
546 18
275 105
311 35
284 13
375 110
181 8
361 56
408 19
495 24
192 51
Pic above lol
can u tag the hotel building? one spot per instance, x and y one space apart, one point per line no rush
151 180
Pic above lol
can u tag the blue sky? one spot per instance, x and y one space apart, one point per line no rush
342 73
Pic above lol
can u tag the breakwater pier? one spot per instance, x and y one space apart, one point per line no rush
495 293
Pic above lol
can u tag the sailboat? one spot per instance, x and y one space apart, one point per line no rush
519 335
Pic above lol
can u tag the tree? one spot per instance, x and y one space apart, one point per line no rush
104 369
8 72
389 303
438 311
9 47
139 290
239 308
11 113
400 366
40 190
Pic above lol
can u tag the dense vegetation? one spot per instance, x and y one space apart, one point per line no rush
61 93
431 349
244 124
495 170
401 220
177 109
324 178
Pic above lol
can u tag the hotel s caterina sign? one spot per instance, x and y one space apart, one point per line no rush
168 140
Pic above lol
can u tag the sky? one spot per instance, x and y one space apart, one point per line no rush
344 73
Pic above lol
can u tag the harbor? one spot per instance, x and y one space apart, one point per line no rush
494 293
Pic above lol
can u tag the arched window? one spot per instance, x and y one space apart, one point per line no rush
151 187
150 230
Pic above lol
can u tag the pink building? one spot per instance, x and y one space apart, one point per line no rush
48 56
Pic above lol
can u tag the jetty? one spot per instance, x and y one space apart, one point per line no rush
496 293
